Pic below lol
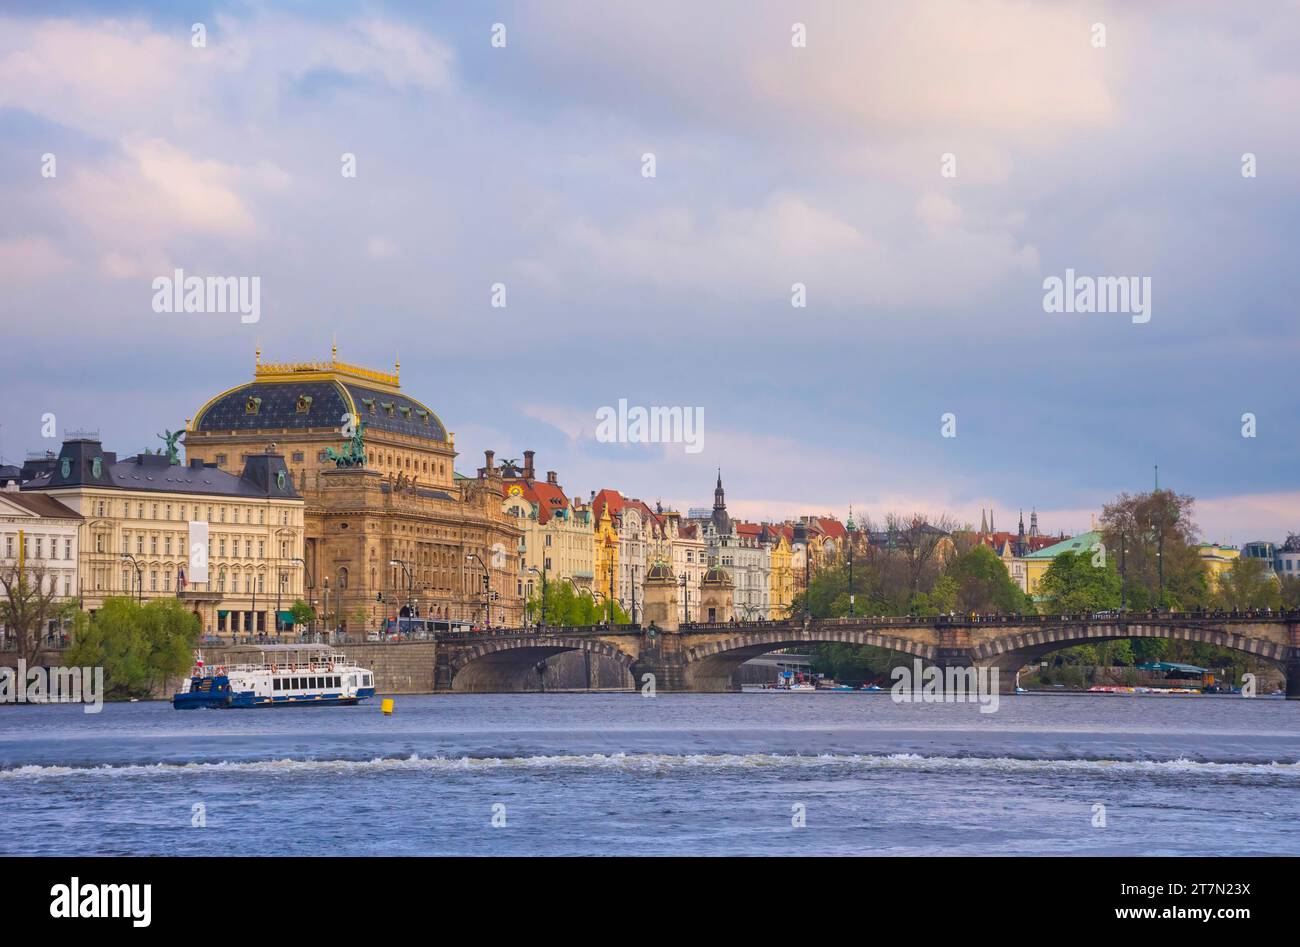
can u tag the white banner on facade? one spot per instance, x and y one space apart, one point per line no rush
198 551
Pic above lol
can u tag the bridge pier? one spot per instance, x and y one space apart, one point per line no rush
1293 679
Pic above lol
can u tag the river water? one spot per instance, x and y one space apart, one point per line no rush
676 774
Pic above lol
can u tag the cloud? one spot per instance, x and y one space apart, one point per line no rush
31 259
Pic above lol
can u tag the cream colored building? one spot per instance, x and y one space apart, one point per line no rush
44 534
558 535
141 515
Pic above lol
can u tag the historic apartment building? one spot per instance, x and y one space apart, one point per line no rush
43 535
558 532
389 524
139 517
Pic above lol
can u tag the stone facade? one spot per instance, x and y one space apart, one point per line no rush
389 524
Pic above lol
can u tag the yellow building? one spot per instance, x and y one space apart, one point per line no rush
605 557
1218 559
781 576
143 516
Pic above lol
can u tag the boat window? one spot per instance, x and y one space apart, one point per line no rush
275 683
314 682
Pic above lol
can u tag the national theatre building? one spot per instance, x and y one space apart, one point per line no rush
388 523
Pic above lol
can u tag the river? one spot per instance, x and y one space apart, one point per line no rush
676 774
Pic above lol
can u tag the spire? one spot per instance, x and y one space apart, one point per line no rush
992 528
1033 524
851 527
984 522
721 522
1022 524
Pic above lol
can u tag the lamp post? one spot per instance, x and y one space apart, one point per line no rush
410 582
542 573
632 571
801 536
487 586
852 533
139 576
609 551
686 600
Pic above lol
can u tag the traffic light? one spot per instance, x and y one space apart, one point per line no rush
485 582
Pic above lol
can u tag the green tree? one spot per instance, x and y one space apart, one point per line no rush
303 613
1072 584
140 647
1154 535
1247 583
984 585
567 608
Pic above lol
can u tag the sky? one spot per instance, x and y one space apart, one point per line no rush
775 164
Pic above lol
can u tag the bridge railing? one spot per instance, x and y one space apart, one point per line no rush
891 621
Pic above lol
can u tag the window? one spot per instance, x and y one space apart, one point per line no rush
40 542
275 684
153 581
139 543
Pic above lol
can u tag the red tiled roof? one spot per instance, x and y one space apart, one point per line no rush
547 497
832 528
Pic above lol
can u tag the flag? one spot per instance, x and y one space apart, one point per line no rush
180 578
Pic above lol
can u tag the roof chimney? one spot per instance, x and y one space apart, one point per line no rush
528 464
489 456
551 477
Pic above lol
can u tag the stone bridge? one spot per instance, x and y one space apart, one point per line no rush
703 657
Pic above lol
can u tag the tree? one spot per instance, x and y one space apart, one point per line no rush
567 608
1247 583
920 544
140 647
303 613
984 585
1072 584
30 601
1148 531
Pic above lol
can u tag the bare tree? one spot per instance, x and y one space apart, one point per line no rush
28 604
920 543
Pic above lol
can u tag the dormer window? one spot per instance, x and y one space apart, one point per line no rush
388 407
405 411
304 404
253 405
369 404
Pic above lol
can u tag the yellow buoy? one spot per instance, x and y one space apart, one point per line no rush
387 706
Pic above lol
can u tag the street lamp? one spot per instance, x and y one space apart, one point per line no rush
487 585
609 551
139 576
542 573
852 533
686 600
800 534
410 582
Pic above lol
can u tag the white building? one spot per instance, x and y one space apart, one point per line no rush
42 533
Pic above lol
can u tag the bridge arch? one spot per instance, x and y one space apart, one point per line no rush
1012 651
509 664
709 666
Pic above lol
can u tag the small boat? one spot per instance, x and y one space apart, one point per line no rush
285 676
872 687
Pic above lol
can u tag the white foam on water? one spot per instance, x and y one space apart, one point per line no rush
663 763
